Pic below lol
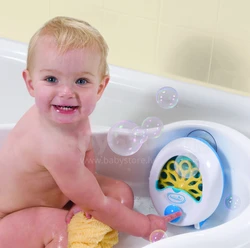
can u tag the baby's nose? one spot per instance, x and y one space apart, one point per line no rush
67 91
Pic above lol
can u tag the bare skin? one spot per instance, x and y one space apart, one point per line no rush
19 210
48 160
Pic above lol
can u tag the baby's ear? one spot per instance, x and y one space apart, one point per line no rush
102 86
28 82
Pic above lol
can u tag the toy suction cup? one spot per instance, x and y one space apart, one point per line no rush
204 135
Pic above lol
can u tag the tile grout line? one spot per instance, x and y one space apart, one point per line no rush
213 40
158 36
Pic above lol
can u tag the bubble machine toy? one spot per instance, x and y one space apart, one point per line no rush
187 176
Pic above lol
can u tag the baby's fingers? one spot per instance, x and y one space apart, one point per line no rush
75 209
88 216
173 216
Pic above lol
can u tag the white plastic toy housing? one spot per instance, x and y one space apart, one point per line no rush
194 212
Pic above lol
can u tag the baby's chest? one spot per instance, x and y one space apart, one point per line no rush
71 144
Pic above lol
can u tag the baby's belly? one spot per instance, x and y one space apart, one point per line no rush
29 189
51 199
19 200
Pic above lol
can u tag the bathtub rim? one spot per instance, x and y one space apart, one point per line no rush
100 129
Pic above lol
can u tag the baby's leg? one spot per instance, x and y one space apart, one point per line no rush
116 189
37 227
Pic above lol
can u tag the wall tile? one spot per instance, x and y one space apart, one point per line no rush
140 8
195 14
19 20
87 10
220 76
131 40
230 65
184 52
231 57
234 14
241 82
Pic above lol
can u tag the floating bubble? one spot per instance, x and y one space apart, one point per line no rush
140 134
125 138
232 202
167 97
157 235
153 127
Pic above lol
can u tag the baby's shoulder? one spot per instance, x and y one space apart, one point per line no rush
61 148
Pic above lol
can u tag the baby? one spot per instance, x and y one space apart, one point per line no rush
47 159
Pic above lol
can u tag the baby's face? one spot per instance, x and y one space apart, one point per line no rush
66 86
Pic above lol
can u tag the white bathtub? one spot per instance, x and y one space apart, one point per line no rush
131 96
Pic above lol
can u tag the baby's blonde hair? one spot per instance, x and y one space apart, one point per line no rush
70 33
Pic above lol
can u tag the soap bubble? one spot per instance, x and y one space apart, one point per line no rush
140 134
153 127
157 235
125 138
232 202
167 97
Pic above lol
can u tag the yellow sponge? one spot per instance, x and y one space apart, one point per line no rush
90 233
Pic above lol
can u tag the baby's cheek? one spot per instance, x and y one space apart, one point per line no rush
88 108
42 103
39 104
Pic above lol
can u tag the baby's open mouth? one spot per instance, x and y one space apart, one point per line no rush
65 108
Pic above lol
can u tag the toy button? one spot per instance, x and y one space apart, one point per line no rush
173 209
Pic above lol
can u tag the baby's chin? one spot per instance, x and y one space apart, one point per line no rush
60 118
70 120
74 116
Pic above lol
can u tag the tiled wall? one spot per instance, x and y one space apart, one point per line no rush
204 40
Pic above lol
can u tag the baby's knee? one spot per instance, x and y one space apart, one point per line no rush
116 189
125 194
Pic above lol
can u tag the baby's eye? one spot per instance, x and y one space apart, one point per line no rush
51 79
81 81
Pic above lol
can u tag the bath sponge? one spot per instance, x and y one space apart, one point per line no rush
90 233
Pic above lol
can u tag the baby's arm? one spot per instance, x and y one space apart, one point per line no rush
89 160
89 157
80 185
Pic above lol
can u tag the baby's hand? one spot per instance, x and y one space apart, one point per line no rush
74 210
160 222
